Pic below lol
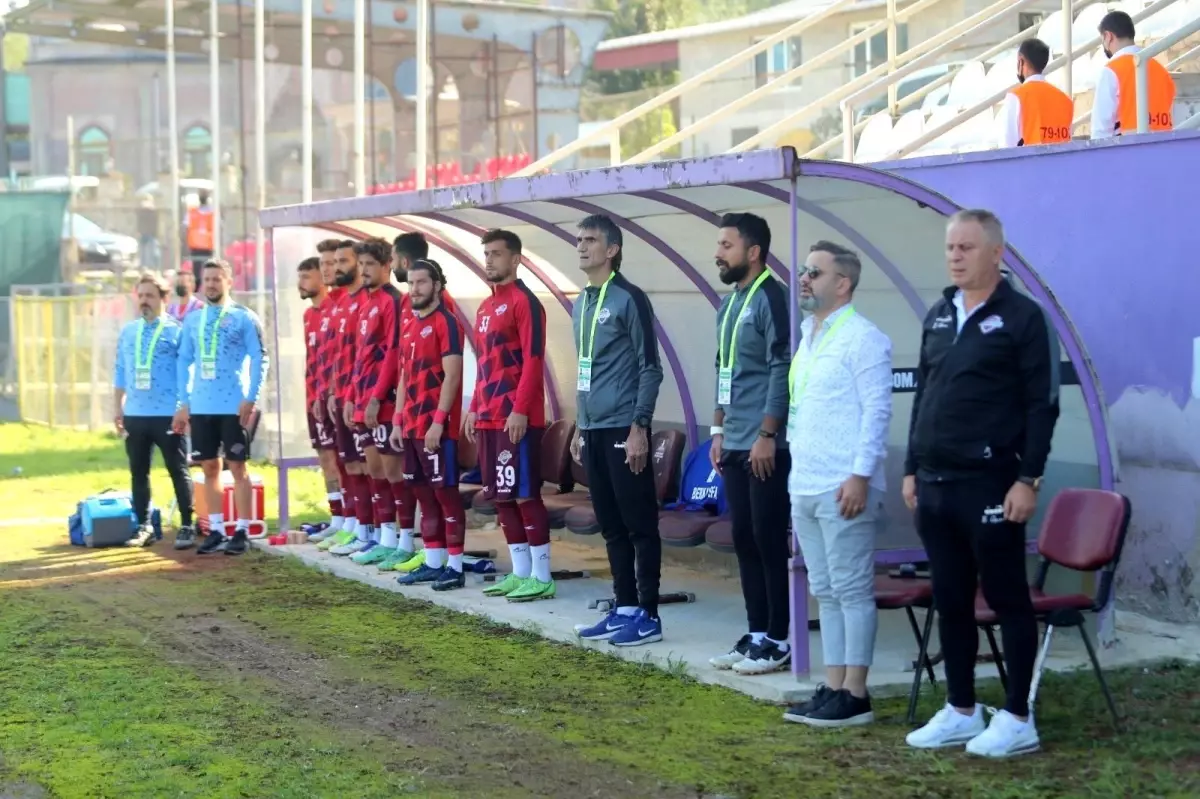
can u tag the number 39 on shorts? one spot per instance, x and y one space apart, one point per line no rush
506 475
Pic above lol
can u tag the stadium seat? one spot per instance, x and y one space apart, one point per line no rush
701 502
907 594
874 141
908 128
468 461
1083 29
560 501
666 452
1050 31
556 443
969 85
719 537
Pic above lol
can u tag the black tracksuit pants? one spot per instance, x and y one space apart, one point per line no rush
626 506
970 545
758 512
144 434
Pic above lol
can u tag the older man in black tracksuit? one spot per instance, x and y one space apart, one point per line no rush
982 421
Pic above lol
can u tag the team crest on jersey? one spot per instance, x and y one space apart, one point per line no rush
992 323
427 331
603 316
504 457
500 311
373 312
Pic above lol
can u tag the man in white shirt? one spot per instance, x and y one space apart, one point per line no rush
840 410
1114 109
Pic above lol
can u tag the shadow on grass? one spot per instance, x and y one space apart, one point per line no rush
56 462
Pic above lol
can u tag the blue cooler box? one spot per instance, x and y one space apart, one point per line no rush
107 520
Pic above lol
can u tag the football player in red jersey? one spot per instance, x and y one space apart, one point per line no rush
373 381
427 423
508 417
312 287
351 442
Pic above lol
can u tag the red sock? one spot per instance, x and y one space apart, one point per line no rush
348 503
535 521
385 506
406 505
451 503
511 523
335 506
433 526
362 499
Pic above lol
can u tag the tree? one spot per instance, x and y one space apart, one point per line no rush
16 51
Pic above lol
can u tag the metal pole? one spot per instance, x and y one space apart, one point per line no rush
260 147
1068 45
173 144
306 100
1141 91
422 93
240 117
437 91
533 81
891 56
72 167
4 167
360 97
214 112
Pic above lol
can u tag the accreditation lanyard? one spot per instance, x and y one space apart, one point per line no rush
208 359
584 378
141 370
797 392
726 357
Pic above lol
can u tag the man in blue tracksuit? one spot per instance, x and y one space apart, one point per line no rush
145 385
216 343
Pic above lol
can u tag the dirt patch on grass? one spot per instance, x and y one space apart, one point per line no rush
445 742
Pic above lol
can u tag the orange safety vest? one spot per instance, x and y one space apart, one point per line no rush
1046 113
200 229
1160 94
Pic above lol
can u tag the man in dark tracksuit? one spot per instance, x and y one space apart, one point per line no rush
982 420
617 384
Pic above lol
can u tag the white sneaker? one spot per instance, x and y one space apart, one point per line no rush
349 549
948 728
1006 736
764 658
733 656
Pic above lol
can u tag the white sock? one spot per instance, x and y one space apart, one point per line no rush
336 523
456 562
334 496
783 645
387 536
242 526
541 562
435 558
521 560
216 523
407 542
349 525
629 610
363 533
757 638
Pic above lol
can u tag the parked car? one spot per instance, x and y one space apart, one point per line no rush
99 246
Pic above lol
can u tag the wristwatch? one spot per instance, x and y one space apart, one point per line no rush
765 434
1033 482
642 422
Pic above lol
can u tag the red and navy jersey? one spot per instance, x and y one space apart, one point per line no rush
406 311
312 352
345 348
510 328
423 344
326 344
375 369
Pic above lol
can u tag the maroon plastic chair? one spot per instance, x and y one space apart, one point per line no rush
468 459
1084 530
556 443
666 454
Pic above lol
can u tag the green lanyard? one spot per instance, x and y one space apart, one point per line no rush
796 393
595 317
211 355
726 358
138 363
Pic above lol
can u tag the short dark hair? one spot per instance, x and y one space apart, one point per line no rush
1035 52
412 246
309 264
753 229
431 266
377 248
844 258
329 245
153 280
345 244
612 234
511 240
1119 24
217 263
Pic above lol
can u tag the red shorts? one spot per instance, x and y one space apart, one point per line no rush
510 471
381 438
321 434
438 469
349 449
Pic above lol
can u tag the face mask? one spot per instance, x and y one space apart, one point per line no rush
1107 53
181 291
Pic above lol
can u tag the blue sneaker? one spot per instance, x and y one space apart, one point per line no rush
611 624
640 629
423 574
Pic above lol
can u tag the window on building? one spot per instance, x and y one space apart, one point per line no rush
874 52
93 153
776 60
197 152
1029 19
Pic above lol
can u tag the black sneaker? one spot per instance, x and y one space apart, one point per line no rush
734 656
449 579
213 542
843 709
798 711
185 537
764 658
238 544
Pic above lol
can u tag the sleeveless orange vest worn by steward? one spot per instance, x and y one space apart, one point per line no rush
200 229
1160 94
1046 113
